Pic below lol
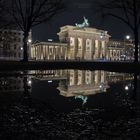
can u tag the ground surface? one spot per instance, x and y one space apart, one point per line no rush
39 121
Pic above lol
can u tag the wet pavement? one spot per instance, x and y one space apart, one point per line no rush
39 121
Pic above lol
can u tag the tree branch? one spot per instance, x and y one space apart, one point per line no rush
120 18
125 11
51 8
20 9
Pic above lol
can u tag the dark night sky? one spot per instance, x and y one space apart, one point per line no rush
74 14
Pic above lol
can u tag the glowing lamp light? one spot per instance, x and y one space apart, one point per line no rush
101 36
127 37
83 98
50 40
50 81
29 82
29 40
21 48
100 86
126 88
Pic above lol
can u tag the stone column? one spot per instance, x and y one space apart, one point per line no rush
79 81
96 77
61 51
46 49
71 77
48 52
100 49
93 49
34 55
83 48
54 53
35 52
39 54
103 49
76 48
41 49
96 49
66 53
72 48
44 52
31 53
102 77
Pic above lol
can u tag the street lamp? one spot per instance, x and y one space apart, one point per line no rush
126 88
126 40
128 37
50 40
29 40
29 82
129 47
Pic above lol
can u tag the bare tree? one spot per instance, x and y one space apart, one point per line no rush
30 13
127 11
3 21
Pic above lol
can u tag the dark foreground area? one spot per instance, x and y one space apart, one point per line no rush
38 121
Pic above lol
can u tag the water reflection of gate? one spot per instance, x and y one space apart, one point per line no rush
76 82
85 83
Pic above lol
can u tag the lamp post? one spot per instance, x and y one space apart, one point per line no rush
126 39
130 47
29 40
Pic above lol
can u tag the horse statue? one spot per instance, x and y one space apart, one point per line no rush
84 24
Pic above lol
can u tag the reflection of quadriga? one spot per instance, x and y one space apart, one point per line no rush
83 98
